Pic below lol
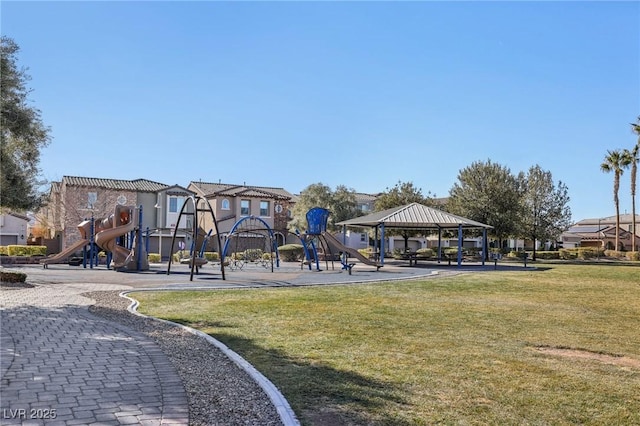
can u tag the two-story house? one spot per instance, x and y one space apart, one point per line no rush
230 203
74 199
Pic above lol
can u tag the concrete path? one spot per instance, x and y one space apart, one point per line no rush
60 365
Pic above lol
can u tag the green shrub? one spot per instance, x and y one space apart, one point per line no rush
12 277
633 255
615 254
587 253
268 256
237 255
291 252
568 254
397 253
3 251
212 256
153 257
22 250
473 251
547 255
366 252
425 253
252 254
453 251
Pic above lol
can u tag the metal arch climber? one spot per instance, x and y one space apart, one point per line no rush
254 233
195 201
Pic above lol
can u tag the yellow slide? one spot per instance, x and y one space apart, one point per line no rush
350 251
123 258
64 255
107 240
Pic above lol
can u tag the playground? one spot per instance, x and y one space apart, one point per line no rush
251 243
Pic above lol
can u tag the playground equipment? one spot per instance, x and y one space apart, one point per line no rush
316 236
119 235
87 232
196 259
249 239
124 225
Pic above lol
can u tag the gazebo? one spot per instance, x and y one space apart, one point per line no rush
416 216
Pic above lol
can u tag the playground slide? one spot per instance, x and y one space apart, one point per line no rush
65 254
351 251
107 240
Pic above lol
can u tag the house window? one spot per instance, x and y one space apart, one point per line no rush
264 208
92 198
225 204
245 207
173 204
363 238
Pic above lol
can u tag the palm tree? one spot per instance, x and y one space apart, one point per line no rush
635 127
616 162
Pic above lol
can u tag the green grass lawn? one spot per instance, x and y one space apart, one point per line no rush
458 350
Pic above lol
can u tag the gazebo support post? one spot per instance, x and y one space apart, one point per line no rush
460 241
382 244
376 248
439 244
484 245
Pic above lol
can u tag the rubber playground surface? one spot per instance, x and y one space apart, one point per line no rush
289 274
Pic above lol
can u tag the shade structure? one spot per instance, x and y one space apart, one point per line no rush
416 216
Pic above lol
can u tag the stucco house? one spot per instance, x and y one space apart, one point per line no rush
74 199
232 202
600 232
13 228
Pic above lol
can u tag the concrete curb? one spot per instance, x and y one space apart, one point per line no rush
282 406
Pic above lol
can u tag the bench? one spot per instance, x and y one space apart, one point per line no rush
348 266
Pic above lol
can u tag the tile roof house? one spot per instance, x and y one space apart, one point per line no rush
232 202
366 202
74 199
600 232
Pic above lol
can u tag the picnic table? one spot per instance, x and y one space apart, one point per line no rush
412 257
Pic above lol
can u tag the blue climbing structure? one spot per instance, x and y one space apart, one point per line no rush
313 238
252 233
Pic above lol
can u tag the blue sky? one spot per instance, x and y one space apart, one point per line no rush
362 94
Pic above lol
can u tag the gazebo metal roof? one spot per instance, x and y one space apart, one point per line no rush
417 216
413 216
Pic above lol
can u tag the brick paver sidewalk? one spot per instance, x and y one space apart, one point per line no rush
60 365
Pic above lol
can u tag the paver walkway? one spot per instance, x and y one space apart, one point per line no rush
60 365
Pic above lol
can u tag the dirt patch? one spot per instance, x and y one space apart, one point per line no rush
14 286
325 417
619 360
